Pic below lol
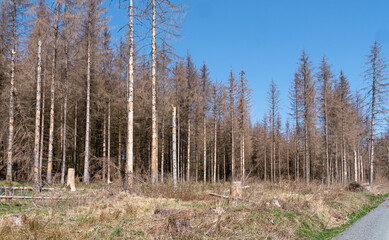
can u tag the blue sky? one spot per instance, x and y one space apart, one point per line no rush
266 37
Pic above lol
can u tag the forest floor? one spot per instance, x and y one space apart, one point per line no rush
288 210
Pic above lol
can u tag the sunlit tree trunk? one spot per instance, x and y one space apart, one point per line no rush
75 139
163 150
37 122
130 104
205 149
52 97
215 151
86 178
174 129
109 143
154 150
188 157
104 148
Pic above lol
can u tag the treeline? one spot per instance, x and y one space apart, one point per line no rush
72 98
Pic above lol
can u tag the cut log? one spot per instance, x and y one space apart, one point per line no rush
236 190
71 181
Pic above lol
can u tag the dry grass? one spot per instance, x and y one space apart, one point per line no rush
110 213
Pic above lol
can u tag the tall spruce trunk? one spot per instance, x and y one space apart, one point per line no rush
188 157
86 178
42 130
65 110
109 142
372 135
154 137
120 152
130 104
52 97
75 140
163 150
37 122
232 149
215 152
205 148
11 98
174 130
104 148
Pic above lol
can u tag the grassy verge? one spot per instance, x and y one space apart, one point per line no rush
375 200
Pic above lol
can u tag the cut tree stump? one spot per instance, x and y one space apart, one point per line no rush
178 220
71 180
236 190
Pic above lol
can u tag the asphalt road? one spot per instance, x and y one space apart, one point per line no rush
375 225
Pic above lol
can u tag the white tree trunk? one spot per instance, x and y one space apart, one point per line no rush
130 104
188 157
174 148
154 140
109 143
37 122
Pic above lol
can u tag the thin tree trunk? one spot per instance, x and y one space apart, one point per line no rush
371 176
65 110
37 122
104 148
215 153
42 131
355 166
11 98
154 150
52 97
109 142
279 161
232 150
75 139
86 178
188 157
120 152
205 149
130 104
174 148
163 149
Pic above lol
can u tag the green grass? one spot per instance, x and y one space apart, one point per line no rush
310 231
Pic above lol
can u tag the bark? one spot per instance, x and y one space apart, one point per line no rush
120 153
205 148
154 150
37 122
52 97
104 148
188 157
65 110
75 139
163 150
42 131
130 104
11 99
174 148
109 143
215 152
86 178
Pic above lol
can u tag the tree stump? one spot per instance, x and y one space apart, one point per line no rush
236 190
71 180
178 223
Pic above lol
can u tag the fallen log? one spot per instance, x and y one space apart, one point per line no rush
30 188
39 198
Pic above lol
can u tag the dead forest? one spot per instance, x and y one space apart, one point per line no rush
133 111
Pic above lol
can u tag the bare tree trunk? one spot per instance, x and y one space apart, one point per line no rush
11 99
163 150
130 104
120 153
178 143
307 160
104 148
372 135
287 158
154 151
174 148
188 157
336 164
37 122
355 166
52 98
42 132
65 110
109 142
215 153
205 149
86 178
75 139
232 150
279 161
